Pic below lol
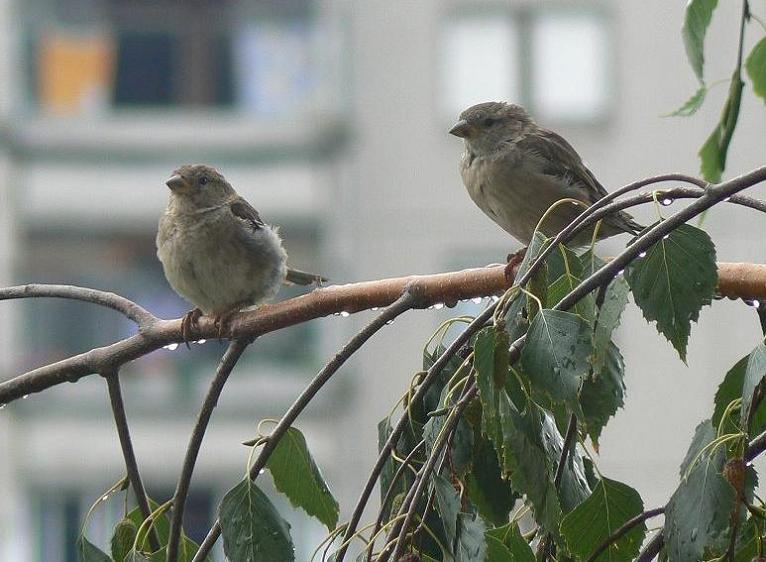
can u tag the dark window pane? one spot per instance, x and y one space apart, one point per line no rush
145 68
224 83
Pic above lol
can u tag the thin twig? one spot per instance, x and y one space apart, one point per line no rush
425 472
624 529
227 363
131 465
410 298
569 440
393 438
126 307
652 548
650 237
387 497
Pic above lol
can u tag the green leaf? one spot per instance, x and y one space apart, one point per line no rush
253 530
123 536
135 556
390 467
488 491
756 68
603 393
448 501
729 390
713 152
555 356
88 552
691 105
611 505
699 512
471 543
754 373
608 318
491 363
531 451
574 488
564 285
497 551
675 279
517 322
696 21
525 460
187 548
509 536
461 445
298 477
159 556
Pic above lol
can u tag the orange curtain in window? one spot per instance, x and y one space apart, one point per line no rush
75 72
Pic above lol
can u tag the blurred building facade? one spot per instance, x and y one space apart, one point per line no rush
331 118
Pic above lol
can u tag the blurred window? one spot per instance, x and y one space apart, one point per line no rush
481 61
554 60
264 58
570 60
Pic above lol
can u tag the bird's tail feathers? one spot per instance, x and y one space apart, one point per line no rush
297 277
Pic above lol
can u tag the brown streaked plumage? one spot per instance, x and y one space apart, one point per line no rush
514 170
216 250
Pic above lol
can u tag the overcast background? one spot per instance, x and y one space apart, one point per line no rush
331 117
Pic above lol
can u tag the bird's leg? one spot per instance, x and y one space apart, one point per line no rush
189 321
514 260
221 321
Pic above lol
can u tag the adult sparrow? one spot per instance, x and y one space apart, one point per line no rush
216 251
514 170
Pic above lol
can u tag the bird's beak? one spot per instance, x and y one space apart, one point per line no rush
461 129
176 182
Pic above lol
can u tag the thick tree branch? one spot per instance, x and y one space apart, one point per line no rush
131 465
410 298
735 280
227 363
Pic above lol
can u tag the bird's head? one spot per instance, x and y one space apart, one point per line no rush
485 126
199 185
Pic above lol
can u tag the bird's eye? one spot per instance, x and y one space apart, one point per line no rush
488 121
203 180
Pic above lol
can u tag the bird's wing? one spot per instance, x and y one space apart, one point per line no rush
560 159
245 211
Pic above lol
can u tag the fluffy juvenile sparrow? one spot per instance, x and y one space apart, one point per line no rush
216 251
515 170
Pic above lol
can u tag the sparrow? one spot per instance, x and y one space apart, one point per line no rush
514 170
216 251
